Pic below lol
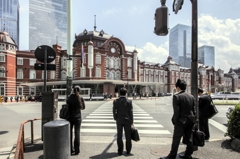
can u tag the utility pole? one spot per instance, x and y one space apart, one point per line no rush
194 64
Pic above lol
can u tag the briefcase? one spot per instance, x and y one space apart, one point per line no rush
212 111
64 112
198 138
134 134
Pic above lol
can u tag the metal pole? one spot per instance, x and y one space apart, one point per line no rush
194 64
69 48
45 69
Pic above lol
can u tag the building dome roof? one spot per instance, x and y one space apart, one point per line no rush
100 34
5 38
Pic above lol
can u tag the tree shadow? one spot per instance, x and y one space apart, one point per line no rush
3 132
226 144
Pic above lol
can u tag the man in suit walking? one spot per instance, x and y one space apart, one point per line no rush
183 108
204 104
123 115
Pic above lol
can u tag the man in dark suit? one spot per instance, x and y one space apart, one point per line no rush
204 104
183 108
123 114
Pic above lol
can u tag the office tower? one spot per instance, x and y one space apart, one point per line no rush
180 44
9 15
206 55
47 23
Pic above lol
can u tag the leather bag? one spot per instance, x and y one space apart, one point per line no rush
134 134
198 138
64 112
212 110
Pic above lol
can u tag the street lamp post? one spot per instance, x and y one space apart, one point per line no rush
127 83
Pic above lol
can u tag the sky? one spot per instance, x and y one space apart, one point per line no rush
132 21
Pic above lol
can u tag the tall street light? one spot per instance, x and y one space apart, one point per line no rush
127 82
69 48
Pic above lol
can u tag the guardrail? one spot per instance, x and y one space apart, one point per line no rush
20 148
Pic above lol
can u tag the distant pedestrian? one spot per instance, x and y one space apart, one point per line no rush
123 115
11 98
204 104
90 96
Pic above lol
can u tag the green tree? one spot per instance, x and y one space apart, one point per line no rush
233 129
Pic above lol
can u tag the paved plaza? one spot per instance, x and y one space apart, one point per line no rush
98 131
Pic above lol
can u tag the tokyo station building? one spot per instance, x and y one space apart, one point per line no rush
107 67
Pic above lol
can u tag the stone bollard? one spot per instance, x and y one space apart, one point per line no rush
56 139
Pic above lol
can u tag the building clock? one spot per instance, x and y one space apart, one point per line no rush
113 50
114 47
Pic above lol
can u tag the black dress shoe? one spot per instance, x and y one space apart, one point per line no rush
120 153
183 156
166 157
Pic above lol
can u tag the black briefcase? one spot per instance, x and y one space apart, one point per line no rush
198 138
134 134
64 112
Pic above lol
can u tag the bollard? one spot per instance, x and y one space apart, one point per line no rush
56 139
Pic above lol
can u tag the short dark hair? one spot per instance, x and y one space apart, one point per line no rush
123 91
181 84
200 90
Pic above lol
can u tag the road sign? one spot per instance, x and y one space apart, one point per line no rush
40 66
40 51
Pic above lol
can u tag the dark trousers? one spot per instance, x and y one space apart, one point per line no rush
203 126
124 123
76 123
181 129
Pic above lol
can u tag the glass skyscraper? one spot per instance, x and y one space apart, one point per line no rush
47 23
180 44
206 55
9 15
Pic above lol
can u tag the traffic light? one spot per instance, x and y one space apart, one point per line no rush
177 5
161 20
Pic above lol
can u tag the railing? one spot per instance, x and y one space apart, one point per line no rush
20 148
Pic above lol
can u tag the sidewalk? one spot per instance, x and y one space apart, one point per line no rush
103 147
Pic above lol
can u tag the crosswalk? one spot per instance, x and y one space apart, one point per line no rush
101 121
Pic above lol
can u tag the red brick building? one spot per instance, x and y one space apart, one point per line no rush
107 67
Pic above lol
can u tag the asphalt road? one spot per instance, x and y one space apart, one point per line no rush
151 117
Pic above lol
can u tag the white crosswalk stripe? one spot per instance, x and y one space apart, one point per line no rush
101 121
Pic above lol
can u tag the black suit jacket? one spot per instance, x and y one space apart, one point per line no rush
123 109
183 106
204 103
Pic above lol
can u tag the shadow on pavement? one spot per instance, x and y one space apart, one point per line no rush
3 132
36 146
226 144
105 155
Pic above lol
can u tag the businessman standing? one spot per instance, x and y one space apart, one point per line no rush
123 115
183 108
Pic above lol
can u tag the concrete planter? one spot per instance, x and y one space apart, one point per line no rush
235 144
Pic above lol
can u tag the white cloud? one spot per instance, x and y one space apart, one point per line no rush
152 53
224 36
